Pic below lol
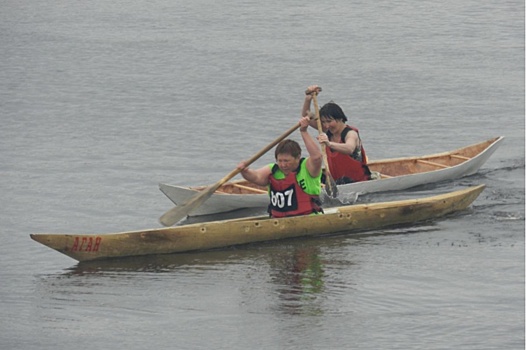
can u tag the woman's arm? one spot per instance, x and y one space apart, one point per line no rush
351 142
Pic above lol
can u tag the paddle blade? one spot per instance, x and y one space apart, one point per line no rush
181 211
330 186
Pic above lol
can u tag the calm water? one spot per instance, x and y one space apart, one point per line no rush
100 101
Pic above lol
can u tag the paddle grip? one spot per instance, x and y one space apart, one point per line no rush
307 92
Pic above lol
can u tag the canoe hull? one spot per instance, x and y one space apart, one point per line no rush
217 203
217 234
428 167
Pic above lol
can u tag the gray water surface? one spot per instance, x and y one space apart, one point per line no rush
100 101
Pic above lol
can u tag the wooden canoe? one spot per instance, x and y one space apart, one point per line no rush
394 175
217 234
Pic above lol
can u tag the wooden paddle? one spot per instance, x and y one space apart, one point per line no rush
330 184
179 212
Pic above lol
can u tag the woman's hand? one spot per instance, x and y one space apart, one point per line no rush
311 89
324 139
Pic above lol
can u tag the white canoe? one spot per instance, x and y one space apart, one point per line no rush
394 174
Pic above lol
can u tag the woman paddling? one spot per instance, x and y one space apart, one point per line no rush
345 153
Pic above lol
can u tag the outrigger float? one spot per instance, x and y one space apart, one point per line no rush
217 234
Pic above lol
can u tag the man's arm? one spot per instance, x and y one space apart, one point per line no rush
257 176
314 161
305 111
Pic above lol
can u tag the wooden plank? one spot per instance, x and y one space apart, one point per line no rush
252 189
432 163
458 156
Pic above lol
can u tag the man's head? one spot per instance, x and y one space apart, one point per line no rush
288 155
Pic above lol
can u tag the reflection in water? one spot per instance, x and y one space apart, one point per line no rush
299 277
296 271
162 263
300 281
309 271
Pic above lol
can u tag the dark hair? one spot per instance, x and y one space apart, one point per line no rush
332 110
288 147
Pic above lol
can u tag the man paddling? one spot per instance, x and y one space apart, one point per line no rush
294 182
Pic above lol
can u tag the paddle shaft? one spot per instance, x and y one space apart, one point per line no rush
329 180
255 156
181 211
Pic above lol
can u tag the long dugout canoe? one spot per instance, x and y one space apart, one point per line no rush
217 234
392 175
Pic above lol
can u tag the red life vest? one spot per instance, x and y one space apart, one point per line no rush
343 165
287 198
